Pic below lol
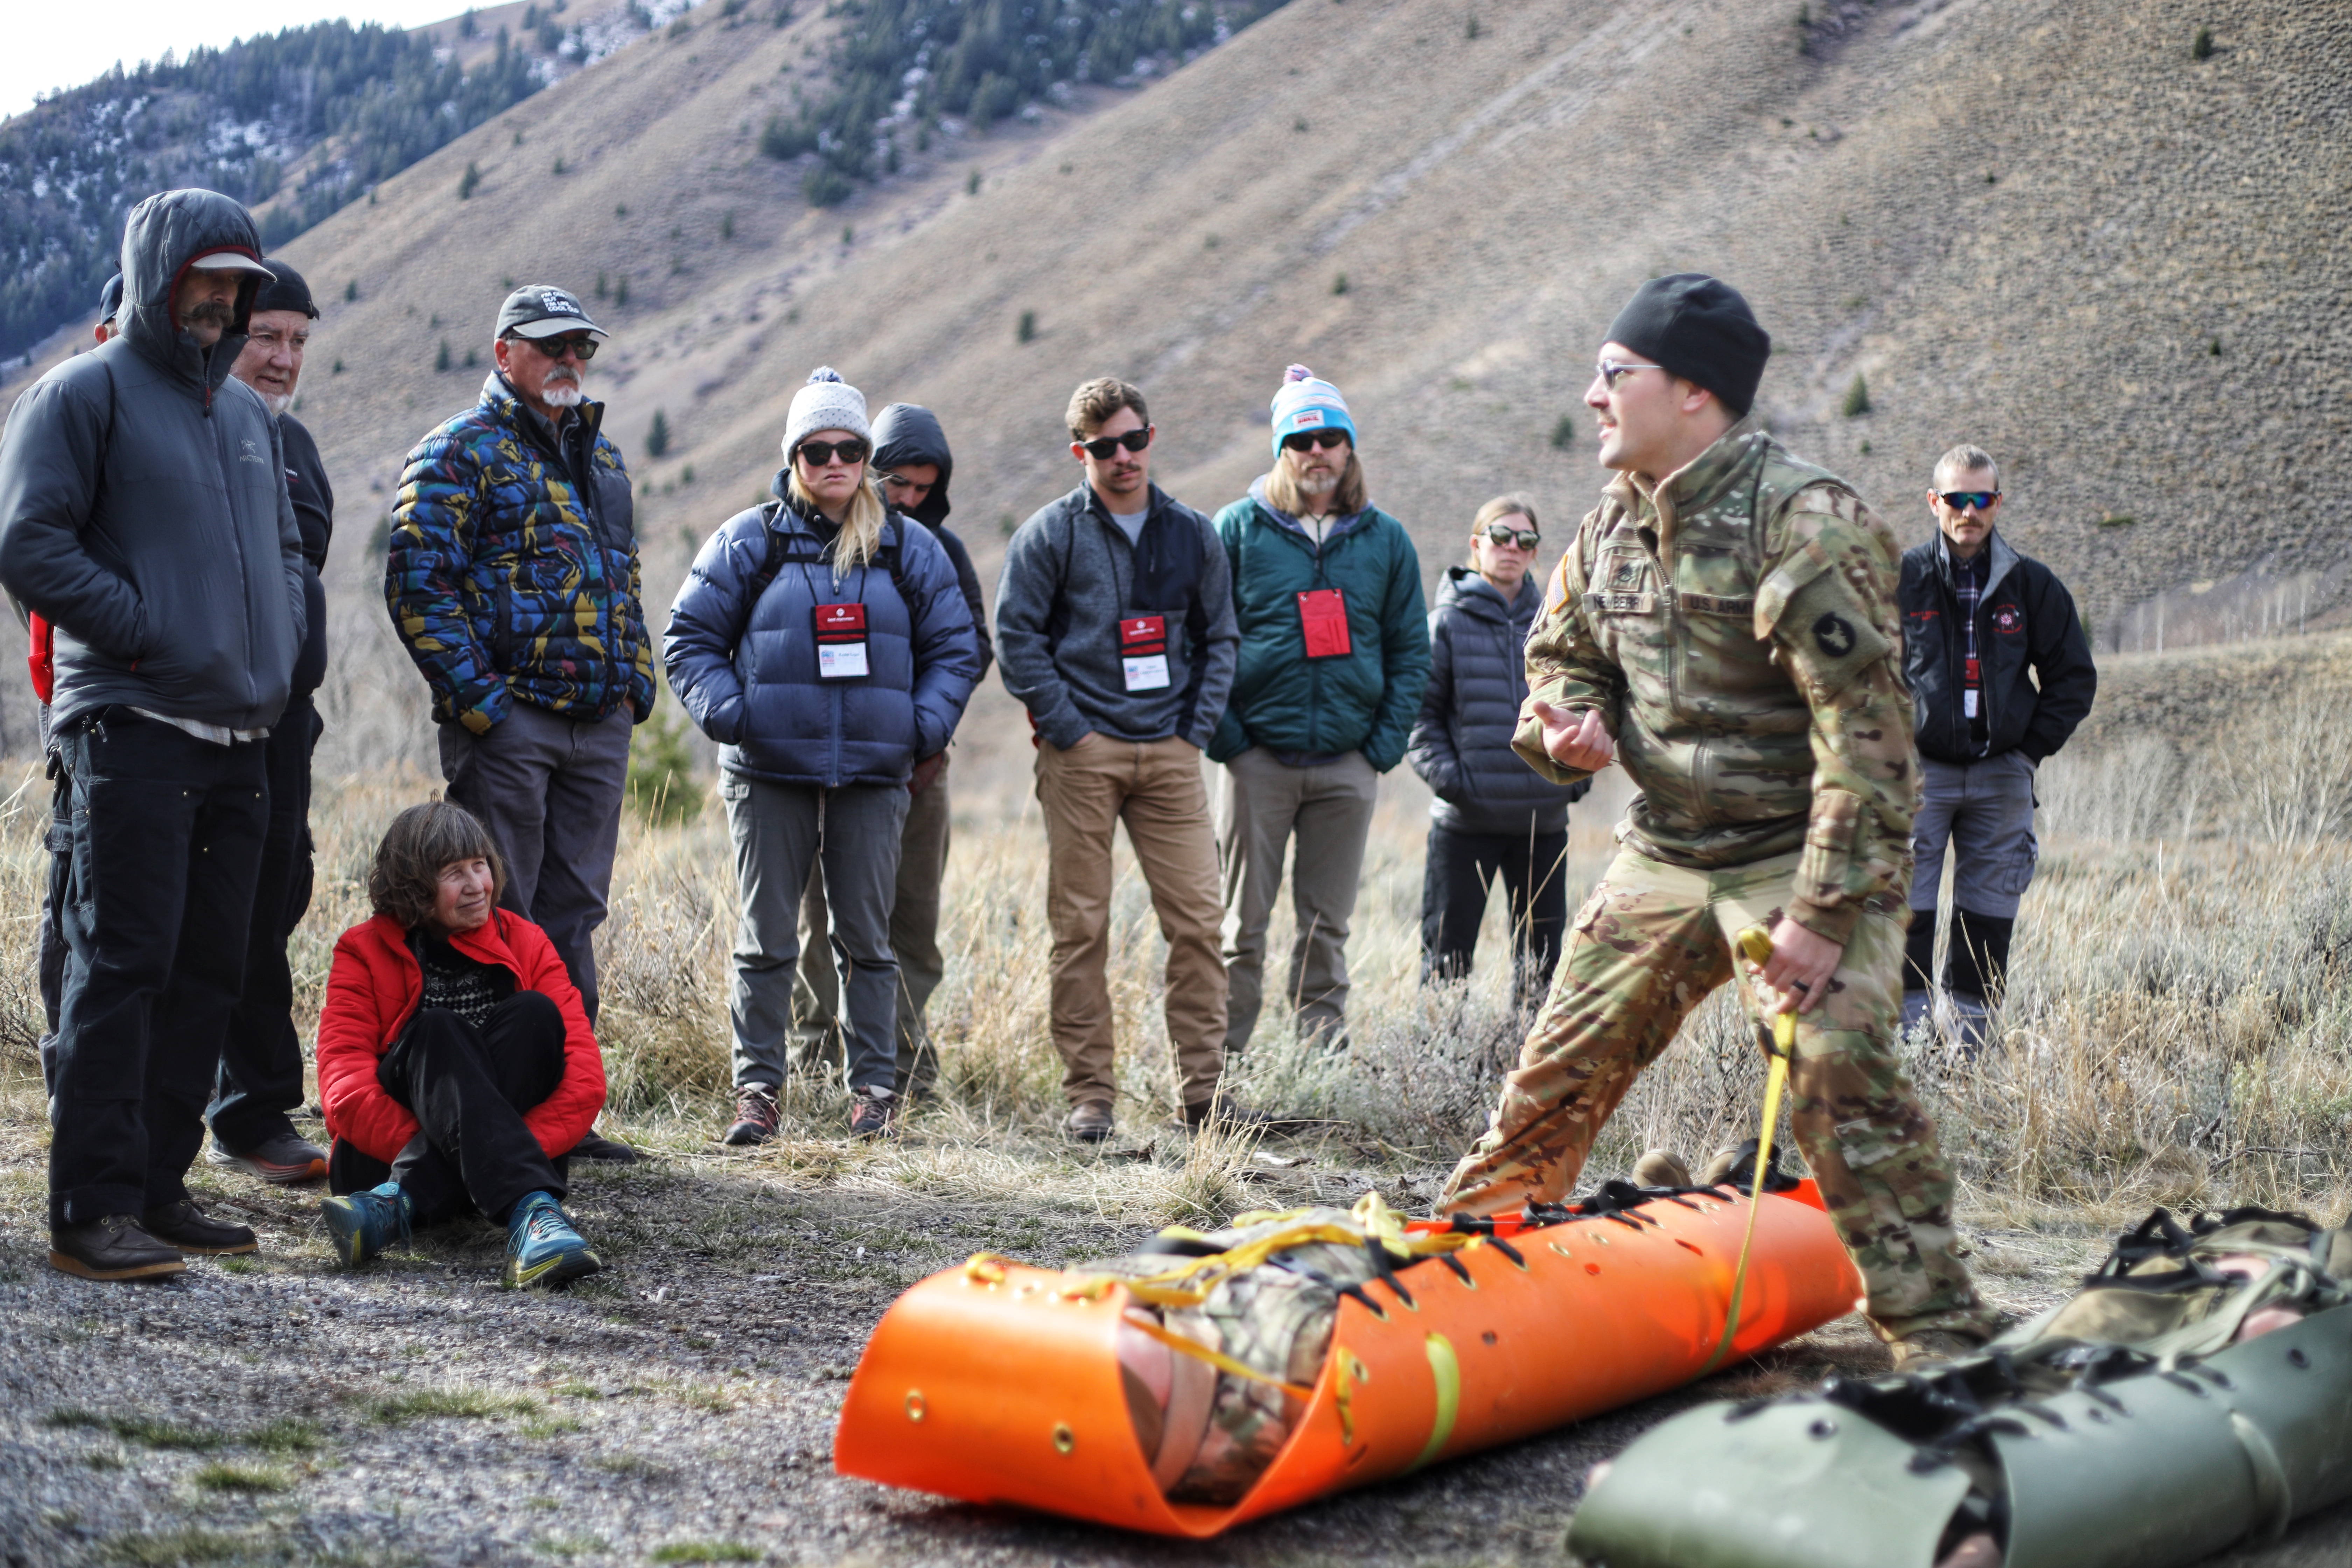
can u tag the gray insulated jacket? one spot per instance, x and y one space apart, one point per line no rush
143 508
1070 577
1478 678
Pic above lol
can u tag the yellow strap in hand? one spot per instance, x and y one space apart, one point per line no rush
1756 946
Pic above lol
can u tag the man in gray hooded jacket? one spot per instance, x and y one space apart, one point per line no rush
145 515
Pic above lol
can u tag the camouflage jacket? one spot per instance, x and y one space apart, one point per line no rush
512 567
1736 628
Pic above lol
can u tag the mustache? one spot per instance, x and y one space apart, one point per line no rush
210 310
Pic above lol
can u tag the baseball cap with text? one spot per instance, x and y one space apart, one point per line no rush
543 310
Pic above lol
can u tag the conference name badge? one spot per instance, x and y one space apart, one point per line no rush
840 642
1143 652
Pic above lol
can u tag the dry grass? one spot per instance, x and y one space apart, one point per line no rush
2179 1028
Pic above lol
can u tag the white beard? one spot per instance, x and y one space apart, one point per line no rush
1318 484
276 403
563 394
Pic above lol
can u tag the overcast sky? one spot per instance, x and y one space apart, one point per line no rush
57 44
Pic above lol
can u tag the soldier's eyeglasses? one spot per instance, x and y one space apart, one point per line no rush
1101 447
1610 370
582 348
1961 501
819 454
1503 534
1320 440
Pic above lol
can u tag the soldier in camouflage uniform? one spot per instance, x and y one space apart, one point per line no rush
1724 623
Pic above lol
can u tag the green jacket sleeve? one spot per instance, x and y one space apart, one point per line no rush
1405 652
1828 604
1231 737
1565 666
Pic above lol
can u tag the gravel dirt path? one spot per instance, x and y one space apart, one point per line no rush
677 1409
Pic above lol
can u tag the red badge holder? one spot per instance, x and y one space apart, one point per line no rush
840 642
1323 621
1143 652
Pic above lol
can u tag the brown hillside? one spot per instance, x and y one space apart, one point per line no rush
2028 224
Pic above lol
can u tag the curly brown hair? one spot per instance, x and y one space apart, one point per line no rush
406 874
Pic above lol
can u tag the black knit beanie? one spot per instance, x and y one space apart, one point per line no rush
286 290
1699 328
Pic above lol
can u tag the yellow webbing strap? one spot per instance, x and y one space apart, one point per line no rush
1217 1359
1756 946
1190 1281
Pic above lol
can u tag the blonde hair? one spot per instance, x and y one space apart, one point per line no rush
1500 507
1965 460
861 527
1346 498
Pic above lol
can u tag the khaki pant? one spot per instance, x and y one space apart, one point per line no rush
1155 788
914 937
1262 804
1648 946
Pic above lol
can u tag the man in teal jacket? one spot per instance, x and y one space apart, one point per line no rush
1335 652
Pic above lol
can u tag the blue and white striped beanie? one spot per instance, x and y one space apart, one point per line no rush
826 402
1305 404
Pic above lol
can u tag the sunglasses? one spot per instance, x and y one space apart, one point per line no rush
1502 533
582 348
1961 501
1320 440
818 454
1101 447
1610 370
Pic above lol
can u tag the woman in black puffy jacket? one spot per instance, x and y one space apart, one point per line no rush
1494 815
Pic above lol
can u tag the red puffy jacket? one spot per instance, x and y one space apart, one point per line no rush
373 989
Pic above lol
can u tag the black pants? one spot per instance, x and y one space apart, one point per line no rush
166 835
468 1088
261 1057
1461 866
51 950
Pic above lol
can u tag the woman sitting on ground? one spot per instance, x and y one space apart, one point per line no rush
456 1064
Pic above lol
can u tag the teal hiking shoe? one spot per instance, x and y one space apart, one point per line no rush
541 1247
364 1224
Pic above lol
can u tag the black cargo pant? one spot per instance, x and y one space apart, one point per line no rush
166 840
261 1057
469 1089
1459 869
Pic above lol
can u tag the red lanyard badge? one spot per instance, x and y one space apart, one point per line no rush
1143 651
840 641
1323 621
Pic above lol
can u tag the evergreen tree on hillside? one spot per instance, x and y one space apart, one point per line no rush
232 120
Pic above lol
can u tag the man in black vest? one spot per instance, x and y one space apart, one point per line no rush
1977 619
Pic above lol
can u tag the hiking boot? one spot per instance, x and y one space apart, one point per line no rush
607 1151
112 1247
1661 1168
364 1224
870 1113
541 1247
184 1226
756 1116
1925 1348
1090 1121
281 1160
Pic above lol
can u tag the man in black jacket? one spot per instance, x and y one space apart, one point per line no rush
261 1057
145 515
914 464
1978 619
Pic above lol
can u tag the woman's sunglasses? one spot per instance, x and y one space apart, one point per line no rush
1503 534
1321 440
1961 501
1101 447
819 454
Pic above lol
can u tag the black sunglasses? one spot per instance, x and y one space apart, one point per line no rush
1321 440
1503 534
820 453
581 348
1961 501
1101 447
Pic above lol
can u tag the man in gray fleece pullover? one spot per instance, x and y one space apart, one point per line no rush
1115 628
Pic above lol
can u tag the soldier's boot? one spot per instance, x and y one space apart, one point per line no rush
1923 1348
1661 1168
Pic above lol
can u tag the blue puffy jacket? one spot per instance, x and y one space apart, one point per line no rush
742 658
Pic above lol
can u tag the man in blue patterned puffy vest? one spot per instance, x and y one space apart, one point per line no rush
512 577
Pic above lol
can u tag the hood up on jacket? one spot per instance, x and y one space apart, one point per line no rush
162 236
911 433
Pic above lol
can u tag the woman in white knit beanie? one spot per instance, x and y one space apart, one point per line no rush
831 414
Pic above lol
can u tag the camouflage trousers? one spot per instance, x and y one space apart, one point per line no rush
1647 948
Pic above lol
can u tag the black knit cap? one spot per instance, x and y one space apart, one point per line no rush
1701 330
284 291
